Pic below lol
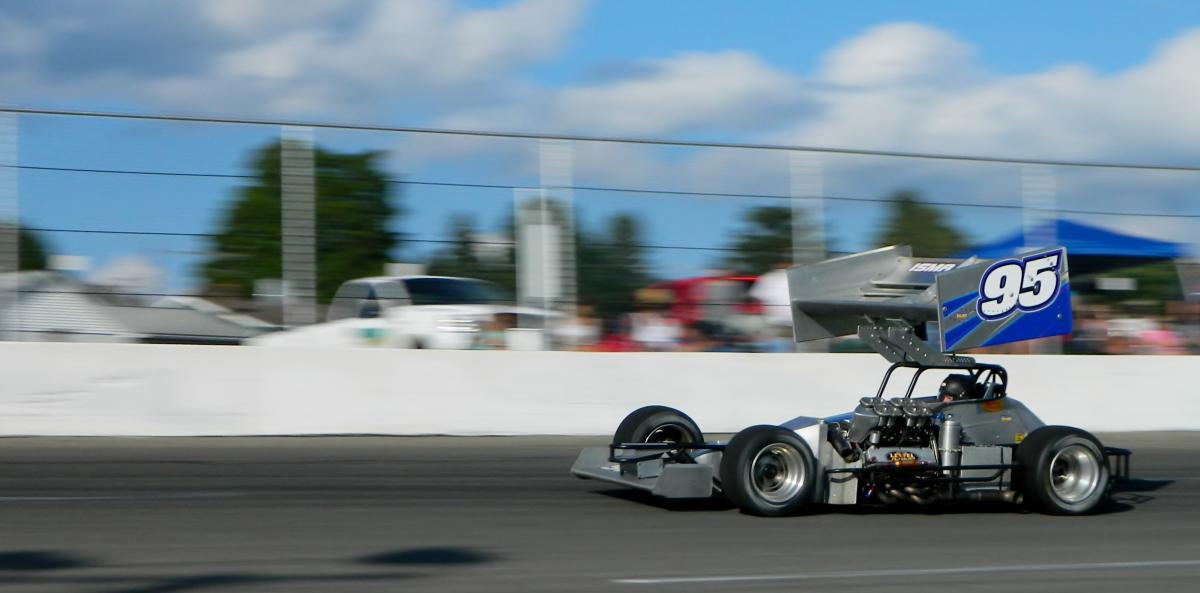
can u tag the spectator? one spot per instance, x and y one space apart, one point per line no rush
580 331
616 337
1161 340
705 336
751 329
492 333
771 289
1091 330
650 326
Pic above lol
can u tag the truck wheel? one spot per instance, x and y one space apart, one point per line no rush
768 471
657 424
1063 471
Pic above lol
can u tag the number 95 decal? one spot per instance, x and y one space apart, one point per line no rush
1028 284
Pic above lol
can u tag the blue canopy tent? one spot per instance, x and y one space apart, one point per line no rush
1090 249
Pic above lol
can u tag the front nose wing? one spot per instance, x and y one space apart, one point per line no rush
650 473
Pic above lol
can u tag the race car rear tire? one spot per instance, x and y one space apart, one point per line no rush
657 424
1062 471
768 471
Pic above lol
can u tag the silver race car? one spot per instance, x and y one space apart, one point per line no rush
969 442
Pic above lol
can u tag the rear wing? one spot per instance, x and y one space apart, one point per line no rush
972 303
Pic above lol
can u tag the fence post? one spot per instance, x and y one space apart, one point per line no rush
556 167
1038 215
10 221
298 225
1038 206
807 189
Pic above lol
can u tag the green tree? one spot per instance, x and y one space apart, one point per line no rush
612 266
354 207
766 239
1155 282
31 247
461 257
33 250
912 222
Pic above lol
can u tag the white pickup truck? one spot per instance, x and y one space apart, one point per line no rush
437 312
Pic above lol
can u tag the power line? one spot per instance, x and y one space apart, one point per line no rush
118 232
128 172
401 239
615 189
96 291
599 139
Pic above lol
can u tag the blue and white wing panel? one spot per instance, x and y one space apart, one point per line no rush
1002 301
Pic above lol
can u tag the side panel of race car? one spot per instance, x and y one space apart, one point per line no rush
985 456
1003 421
838 488
811 429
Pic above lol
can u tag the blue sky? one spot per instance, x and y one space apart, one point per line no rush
1110 81
1011 37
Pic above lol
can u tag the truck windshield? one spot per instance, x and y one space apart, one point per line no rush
454 291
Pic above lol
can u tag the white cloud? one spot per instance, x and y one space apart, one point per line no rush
724 91
728 92
905 87
18 41
941 100
251 17
261 57
900 86
900 54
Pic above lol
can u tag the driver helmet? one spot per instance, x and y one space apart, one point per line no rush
955 387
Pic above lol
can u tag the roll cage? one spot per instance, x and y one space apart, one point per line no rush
991 380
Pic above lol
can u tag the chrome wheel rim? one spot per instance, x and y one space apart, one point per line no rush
668 433
1074 474
777 473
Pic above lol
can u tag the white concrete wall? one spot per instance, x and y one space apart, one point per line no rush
89 389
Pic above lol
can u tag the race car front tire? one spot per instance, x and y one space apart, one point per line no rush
768 471
657 424
1062 471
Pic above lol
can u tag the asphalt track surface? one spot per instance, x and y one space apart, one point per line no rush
502 514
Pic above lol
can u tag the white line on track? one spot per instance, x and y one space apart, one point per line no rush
910 572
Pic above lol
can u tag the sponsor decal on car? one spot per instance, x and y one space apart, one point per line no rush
902 457
931 267
993 406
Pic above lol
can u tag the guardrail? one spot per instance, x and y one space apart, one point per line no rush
157 390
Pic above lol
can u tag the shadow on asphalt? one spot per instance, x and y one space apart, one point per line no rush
44 561
429 556
221 580
40 560
1128 493
1139 485
1126 497
715 503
